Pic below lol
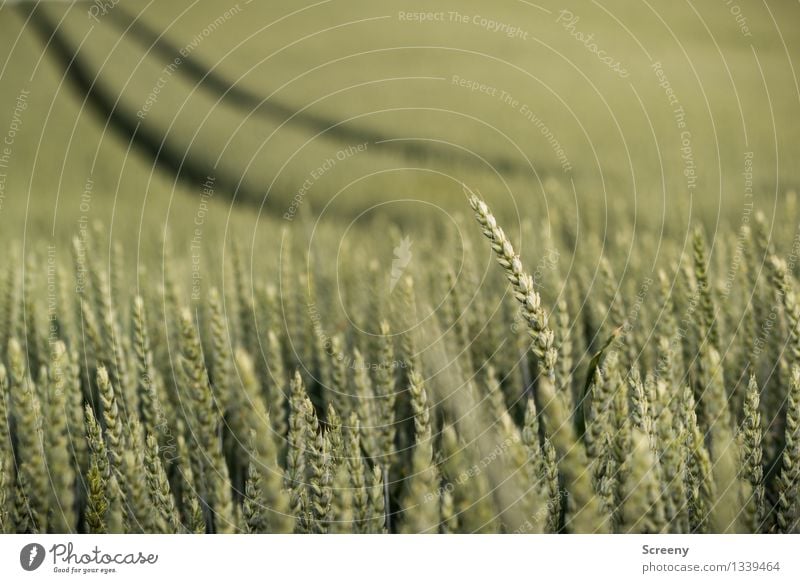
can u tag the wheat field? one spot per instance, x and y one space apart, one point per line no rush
300 268
512 407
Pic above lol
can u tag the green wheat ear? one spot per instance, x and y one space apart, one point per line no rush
97 505
115 439
6 479
320 475
701 490
788 515
26 410
253 512
376 521
62 502
522 283
270 503
342 506
297 452
589 516
421 501
165 512
205 423
7 486
707 312
357 470
752 456
140 510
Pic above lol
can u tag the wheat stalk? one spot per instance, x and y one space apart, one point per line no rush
522 283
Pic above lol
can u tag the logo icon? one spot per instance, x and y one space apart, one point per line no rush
31 556
402 257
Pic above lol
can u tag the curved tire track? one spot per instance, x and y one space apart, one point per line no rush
240 97
124 122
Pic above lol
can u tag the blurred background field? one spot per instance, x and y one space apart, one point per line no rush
364 67
347 126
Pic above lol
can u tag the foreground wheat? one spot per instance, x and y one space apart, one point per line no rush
248 408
